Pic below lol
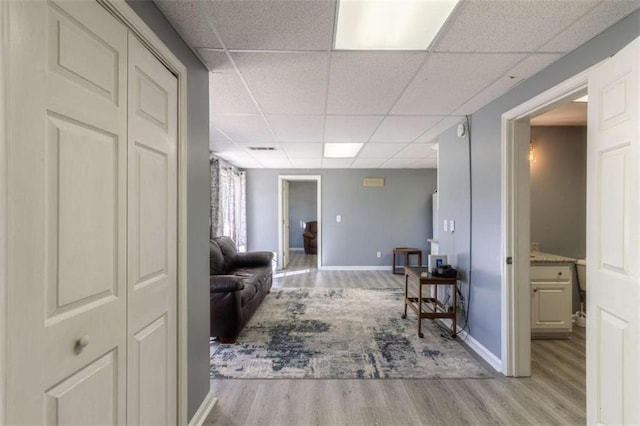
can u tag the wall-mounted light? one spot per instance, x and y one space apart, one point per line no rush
532 153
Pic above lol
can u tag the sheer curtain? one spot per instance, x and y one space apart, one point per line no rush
228 202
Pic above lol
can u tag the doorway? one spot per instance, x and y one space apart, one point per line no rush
516 221
297 209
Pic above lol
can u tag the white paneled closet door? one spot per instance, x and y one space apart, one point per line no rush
91 221
67 215
153 94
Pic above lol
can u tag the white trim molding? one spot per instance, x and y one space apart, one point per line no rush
300 178
515 300
476 346
200 416
4 122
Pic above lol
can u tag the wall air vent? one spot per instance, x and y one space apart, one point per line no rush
262 148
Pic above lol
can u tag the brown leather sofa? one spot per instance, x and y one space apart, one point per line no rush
238 283
310 236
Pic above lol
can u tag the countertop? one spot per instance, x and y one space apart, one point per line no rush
541 257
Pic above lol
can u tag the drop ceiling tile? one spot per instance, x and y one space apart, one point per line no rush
223 145
302 150
532 64
227 94
448 80
397 128
243 128
369 83
431 136
275 163
191 19
286 83
367 163
336 163
216 136
307 163
274 25
525 69
277 154
398 163
297 128
350 128
590 25
379 150
247 163
425 163
216 60
509 26
417 150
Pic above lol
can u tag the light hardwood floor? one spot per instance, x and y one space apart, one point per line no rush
554 394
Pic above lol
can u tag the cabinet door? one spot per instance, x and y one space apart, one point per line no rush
550 306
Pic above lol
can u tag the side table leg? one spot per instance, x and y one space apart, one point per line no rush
420 310
406 294
454 332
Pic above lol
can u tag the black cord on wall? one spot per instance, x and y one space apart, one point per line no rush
468 309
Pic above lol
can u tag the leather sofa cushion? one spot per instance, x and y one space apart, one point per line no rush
247 293
254 276
229 252
216 260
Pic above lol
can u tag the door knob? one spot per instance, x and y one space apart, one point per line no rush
81 343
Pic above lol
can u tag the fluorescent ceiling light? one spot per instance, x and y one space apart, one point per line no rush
585 98
341 150
390 24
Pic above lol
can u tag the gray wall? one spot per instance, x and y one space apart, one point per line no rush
197 203
373 219
559 190
486 264
302 207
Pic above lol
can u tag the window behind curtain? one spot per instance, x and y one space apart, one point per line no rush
228 202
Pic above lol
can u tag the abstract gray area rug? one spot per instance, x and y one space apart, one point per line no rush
340 334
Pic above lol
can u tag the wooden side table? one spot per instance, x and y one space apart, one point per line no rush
406 252
428 307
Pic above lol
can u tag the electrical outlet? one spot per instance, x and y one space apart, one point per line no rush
378 255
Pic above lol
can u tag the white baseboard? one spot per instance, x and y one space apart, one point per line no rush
477 347
356 268
203 411
296 248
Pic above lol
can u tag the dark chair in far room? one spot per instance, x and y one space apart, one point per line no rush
311 238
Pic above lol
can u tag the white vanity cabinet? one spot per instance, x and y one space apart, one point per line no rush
551 286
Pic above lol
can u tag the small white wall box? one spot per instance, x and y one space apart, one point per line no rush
436 260
375 182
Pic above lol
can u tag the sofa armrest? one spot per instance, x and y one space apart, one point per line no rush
309 235
252 259
225 283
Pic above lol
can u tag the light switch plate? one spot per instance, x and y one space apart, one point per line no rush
339 218
452 225
446 225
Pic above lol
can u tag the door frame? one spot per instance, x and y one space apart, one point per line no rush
134 23
515 223
4 63
300 178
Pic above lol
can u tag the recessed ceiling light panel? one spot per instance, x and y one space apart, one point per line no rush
341 150
390 24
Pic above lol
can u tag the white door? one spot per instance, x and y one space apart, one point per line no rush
285 224
613 237
152 291
67 215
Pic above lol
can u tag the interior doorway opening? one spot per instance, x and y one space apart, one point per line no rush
299 222
516 220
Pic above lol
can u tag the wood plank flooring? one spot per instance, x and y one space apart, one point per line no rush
554 394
